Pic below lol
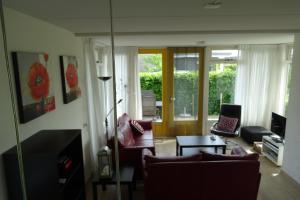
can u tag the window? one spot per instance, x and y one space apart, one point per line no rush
222 73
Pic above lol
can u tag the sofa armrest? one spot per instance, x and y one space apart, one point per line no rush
214 126
145 152
147 125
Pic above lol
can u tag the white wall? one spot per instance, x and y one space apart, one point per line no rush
291 162
25 33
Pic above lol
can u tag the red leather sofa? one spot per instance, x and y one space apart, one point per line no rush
201 177
131 143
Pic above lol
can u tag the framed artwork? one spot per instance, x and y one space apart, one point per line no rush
34 89
69 78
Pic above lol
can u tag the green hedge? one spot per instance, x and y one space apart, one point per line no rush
218 82
152 81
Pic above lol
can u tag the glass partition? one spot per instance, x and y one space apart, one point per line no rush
9 137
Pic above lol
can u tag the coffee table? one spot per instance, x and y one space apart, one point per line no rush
198 141
126 178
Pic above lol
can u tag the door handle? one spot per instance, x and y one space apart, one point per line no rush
172 99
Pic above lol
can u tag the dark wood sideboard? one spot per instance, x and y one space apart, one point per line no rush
53 167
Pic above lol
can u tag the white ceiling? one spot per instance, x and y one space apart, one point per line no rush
197 39
166 17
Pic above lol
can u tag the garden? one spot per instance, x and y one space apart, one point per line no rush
221 88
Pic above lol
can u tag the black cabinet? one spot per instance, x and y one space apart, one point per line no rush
53 167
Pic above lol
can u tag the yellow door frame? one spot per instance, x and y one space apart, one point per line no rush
168 127
192 127
160 127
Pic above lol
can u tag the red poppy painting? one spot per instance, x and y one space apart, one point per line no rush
70 79
33 85
38 81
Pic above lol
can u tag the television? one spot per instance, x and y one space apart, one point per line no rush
278 125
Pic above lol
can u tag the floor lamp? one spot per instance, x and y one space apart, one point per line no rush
116 146
105 79
106 120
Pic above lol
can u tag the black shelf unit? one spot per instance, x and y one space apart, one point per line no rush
41 155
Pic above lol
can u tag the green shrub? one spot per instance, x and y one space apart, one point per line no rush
152 81
186 86
220 82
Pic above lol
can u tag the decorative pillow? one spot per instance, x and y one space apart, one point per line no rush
215 157
154 159
136 127
227 123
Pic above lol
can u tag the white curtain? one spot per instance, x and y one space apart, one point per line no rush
261 83
127 80
96 108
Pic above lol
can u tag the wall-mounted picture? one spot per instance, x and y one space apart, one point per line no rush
34 89
69 77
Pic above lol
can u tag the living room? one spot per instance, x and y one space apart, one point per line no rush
29 29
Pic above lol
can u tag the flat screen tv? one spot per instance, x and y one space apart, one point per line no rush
278 125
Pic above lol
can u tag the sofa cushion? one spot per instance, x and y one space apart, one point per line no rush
136 127
215 157
123 119
149 159
125 135
227 123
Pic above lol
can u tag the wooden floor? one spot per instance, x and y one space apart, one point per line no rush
274 185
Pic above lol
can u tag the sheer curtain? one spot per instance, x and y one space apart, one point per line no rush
96 107
261 83
127 81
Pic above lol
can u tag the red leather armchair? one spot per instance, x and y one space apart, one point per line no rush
131 144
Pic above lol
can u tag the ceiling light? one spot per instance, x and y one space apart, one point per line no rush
213 5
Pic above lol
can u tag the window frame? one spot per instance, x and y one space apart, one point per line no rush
214 61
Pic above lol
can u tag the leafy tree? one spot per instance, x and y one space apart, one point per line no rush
152 62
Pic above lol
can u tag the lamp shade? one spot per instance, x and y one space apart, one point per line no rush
104 78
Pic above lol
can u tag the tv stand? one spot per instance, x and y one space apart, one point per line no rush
273 149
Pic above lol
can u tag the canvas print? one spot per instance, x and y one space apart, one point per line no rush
69 77
33 85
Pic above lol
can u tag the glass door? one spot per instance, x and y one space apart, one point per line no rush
185 90
152 66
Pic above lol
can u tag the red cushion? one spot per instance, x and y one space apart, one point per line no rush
136 127
214 157
227 123
153 159
147 125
